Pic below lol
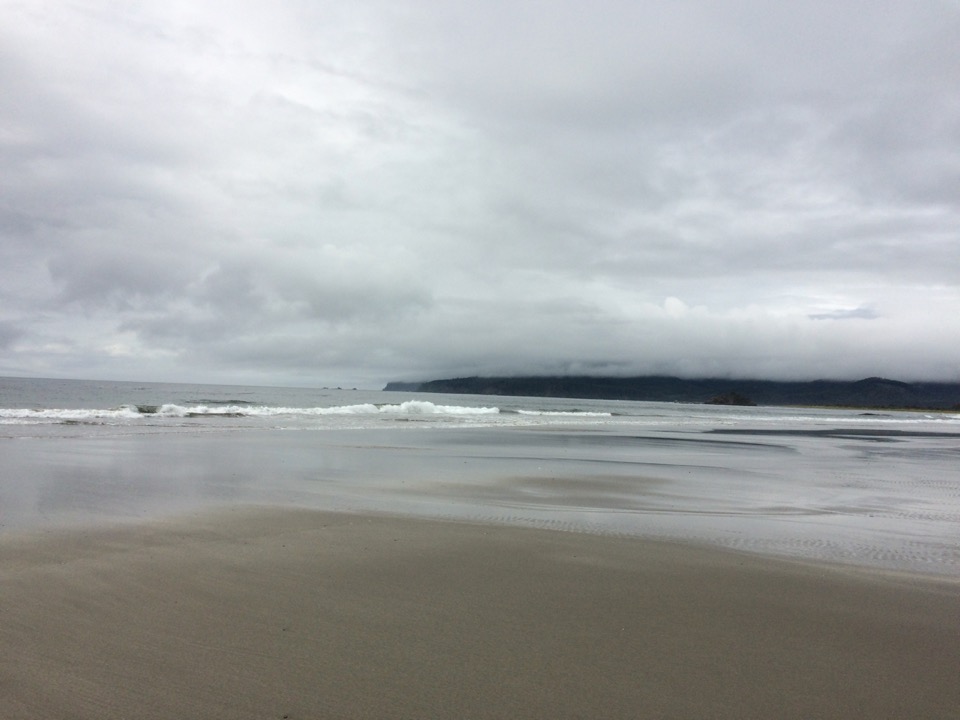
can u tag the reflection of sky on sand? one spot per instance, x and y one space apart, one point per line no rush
879 499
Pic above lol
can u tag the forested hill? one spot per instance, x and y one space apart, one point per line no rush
868 393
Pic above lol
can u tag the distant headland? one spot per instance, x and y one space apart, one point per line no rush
874 392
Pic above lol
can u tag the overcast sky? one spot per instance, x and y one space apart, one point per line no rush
315 193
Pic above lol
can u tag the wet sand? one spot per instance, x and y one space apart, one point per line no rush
307 614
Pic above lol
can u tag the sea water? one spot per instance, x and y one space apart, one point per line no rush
879 489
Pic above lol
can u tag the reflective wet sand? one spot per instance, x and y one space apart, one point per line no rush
874 498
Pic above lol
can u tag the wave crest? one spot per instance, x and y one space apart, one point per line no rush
173 410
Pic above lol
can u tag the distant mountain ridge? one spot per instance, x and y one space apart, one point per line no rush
874 392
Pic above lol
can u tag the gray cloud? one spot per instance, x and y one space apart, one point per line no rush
8 333
347 194
860 313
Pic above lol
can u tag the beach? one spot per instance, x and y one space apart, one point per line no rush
236 552
285 613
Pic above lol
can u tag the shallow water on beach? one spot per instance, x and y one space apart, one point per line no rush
873 489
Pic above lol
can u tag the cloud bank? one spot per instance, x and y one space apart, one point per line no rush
333 193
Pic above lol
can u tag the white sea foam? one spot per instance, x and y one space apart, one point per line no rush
28 415
172 410
422 407
411 407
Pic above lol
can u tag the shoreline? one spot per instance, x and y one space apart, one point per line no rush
269 612
870 393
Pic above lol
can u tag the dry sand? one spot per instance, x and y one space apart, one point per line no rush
290 614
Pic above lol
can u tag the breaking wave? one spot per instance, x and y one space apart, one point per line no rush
26 415
171 410
412 407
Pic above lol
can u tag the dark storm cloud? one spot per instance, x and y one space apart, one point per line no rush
349 193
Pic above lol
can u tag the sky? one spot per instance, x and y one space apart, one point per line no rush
307 192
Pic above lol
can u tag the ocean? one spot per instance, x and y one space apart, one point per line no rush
870 488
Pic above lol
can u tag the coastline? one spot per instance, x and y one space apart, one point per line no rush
867 393
305 613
